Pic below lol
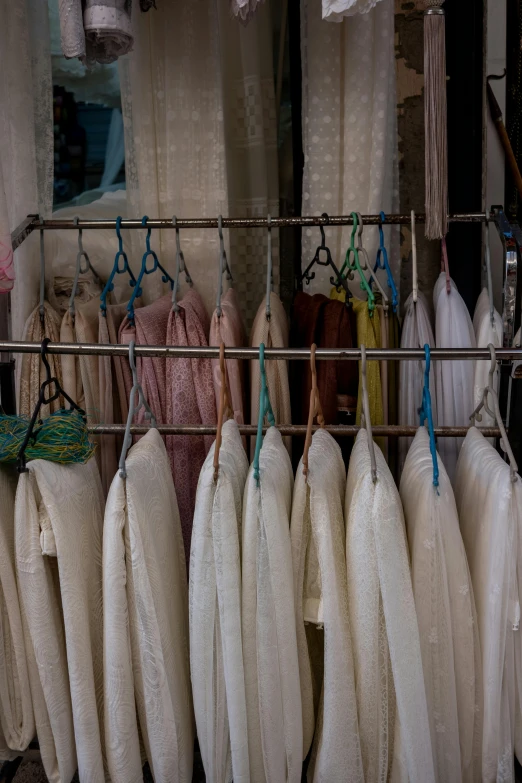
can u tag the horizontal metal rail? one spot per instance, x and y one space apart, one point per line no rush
184 352
289 429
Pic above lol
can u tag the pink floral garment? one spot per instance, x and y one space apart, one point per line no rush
229 329
190 400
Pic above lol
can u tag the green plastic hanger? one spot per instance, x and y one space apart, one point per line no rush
348 268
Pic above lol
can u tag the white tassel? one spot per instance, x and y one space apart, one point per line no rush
435 121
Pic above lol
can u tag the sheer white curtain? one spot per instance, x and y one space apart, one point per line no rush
26 130
349 124
200 135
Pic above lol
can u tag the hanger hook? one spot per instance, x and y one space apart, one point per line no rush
42 279
493 365
413 258
144 222
118 232
366 415
269 267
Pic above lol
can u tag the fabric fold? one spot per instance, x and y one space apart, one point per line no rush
58 544
30 369
216 653
273 693
485 333
228 328
146 659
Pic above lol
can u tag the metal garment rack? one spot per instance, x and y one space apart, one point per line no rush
34 222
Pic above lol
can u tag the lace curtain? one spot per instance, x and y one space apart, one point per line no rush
26 130
349 126
200 134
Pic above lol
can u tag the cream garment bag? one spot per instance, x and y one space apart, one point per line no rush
320 589
490 513
385 633
486 333
58 544
275 729
446 615
216 654
146 660
16 709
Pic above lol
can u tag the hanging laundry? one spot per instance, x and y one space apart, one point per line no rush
489 504
274 334
80 373
146 661
58 562
190 400
30 369
387 654
16 708
445 605
453 380
273 693
328 324
389 375
216 653
321 593
244 10
336 10
228 328
485 333
417 332
95 30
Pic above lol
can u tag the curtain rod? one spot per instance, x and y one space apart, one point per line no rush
33 222
390 430
184 352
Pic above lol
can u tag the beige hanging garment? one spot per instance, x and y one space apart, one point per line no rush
58 560
30 368
274 334
228 328
146 662
16 709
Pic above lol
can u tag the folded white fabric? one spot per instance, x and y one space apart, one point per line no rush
454 380
216 654
446 615
319 564
58 544
417 332
16 708
383 622
146 661
485 333
275 728
490 513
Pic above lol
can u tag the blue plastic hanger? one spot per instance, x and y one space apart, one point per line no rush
265 409
425 412
144 271
125 269
382 263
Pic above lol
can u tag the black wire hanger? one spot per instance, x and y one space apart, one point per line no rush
43 400
338 280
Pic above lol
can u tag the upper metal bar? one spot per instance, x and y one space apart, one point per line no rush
33 221
180 352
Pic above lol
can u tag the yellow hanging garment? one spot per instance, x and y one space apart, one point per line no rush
369 335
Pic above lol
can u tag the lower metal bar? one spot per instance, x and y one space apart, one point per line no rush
289 429
179 352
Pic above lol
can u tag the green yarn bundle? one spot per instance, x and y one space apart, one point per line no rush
61 437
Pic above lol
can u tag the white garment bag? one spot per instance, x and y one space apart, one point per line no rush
58 544
454 379
146 660
446 616
490 512
385 633
216 654
417 332
319 564
274 712
16 708
485 333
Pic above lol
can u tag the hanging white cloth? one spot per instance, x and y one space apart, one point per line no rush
16 709
489 507
318 551
201 137
417 331
216 654
336 10
454 380
349 126
446 616
145 602
383 621
275 728
59 568
485 333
